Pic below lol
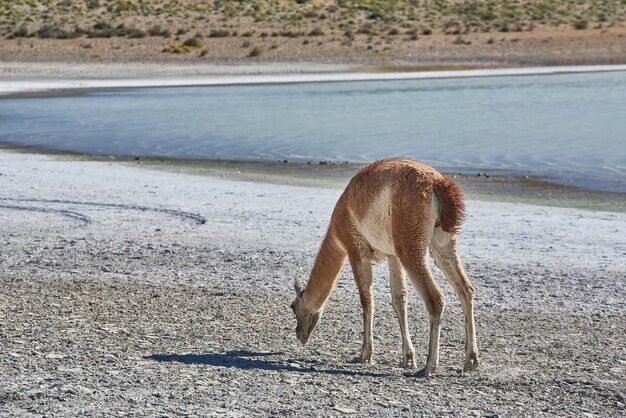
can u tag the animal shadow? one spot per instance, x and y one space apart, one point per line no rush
249 360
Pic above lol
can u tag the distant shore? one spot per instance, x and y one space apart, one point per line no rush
17 78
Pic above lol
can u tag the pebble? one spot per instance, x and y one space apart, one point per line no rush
344 410
55 356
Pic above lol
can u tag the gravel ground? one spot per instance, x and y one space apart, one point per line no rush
128 291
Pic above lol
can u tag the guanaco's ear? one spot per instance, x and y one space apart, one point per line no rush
297 286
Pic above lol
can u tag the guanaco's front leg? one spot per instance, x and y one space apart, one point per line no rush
362 269
399 301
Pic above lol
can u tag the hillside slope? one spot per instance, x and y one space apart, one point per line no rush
489 32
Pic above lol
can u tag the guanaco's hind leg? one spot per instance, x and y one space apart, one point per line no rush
444 251
362 269
417 267
397 283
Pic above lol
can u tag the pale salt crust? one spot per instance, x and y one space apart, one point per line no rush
285 216
14 81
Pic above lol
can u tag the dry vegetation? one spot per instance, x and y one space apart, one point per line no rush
289 28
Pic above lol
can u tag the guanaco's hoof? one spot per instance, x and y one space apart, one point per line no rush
470 365
361 359
407 364
420 373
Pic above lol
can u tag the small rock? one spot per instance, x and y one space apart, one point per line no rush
55 356
70 370
344 410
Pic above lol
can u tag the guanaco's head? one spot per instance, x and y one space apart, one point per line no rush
307 320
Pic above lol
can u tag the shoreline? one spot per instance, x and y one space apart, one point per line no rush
18 80
31 80
481 185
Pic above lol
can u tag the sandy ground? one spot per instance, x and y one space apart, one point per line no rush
126 290
59 70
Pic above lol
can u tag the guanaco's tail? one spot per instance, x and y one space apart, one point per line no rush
451 205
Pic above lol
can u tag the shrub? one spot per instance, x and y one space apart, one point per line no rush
460 41
135 33
174 49
189 45
48 31
194 42
93 4
105 30
55 32
316 32
21 32
158 31
256 52
580 24
102 26
412 34
367 29
221 33
102 30
289 34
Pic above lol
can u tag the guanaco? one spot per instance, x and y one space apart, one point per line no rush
402 210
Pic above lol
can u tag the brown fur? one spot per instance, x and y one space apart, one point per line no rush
451 205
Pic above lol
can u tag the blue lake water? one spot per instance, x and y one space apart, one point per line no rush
568 127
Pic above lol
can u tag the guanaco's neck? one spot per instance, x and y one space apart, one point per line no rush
328 264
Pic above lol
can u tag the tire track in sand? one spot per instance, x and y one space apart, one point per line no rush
199 219
67 213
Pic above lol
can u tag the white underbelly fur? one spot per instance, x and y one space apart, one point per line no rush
376 226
